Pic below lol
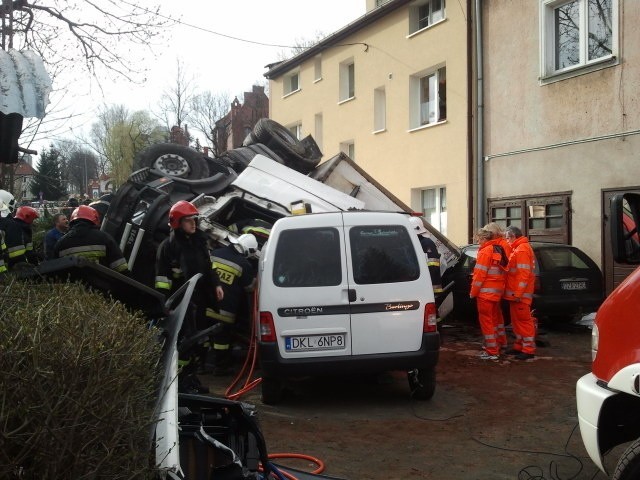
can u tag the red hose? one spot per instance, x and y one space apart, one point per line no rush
315 460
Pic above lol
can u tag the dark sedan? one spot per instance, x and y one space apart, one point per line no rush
568 282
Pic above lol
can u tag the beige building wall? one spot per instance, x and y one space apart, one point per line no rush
403 159
579 134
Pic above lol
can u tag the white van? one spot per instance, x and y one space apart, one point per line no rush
345 292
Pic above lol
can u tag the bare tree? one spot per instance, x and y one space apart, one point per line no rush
207 108
90 33
300 45
174 106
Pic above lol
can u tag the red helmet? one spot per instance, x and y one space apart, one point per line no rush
26 214
85 212
180 210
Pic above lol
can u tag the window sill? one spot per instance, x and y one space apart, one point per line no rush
346 100
317 80
578 70
428 125
376 132
418 32
291 93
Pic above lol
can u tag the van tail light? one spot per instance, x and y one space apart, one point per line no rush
267 328
430 323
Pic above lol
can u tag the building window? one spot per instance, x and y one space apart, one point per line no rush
541 218
317 68
349 149
318 130
296 130
347 80
428 98
434 207
425 13
291 83
577 34
379 109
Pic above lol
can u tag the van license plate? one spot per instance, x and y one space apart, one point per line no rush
573 285
315 342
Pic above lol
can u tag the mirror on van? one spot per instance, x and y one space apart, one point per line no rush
625 218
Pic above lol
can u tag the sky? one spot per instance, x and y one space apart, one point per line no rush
216 63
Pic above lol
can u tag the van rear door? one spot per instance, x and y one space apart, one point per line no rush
307 291
389 285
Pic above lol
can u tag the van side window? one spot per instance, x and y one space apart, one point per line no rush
383 254
308 257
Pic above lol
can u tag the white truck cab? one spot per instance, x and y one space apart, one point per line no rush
345 292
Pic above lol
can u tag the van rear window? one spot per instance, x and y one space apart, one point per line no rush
383 254
308 257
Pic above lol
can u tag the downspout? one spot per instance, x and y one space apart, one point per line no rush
480 194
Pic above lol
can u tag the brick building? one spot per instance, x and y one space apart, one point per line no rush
232 129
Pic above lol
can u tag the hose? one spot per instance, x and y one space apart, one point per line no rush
282 475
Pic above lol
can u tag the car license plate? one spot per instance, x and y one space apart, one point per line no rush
315 342
573 285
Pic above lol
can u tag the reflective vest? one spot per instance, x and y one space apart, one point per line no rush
488 275
521 275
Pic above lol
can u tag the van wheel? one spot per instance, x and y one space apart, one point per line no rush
422 382
271 391
629 464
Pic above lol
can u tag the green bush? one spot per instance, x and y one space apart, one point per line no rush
78 380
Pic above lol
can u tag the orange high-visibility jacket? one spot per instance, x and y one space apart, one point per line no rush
521 275
488 276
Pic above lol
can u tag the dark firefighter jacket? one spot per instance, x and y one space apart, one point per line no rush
433 262
86 240
236 277
179 258
16 251
27 236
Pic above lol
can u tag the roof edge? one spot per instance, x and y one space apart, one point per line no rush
277 69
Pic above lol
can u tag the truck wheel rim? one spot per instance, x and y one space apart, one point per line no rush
171 164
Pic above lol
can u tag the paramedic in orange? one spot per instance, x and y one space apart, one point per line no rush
519 293
487 286
505 249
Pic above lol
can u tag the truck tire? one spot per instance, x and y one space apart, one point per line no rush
422 382
173 160
271 390
271 133
628 466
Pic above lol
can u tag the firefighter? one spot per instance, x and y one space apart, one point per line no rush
182 255
18 236
431 253
3 245
487 286
84 239
237 278
9 202
519 293
14 250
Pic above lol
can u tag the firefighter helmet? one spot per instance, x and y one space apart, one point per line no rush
180 210
26 214
417 225
245 244
7 202
85 212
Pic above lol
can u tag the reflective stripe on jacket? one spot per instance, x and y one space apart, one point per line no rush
521 272
488 277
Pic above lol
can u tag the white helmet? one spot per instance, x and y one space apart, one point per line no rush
246 244
7 203
418 226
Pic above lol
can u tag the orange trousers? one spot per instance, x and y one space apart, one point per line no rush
524 327
489 317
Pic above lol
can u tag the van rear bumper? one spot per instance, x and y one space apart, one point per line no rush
273 365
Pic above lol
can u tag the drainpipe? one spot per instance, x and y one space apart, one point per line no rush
480 194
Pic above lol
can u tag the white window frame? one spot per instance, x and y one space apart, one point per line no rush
432 17
349 148
296 129
347 80
415 97
317 68
379 110
548 71
436 216
288 82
